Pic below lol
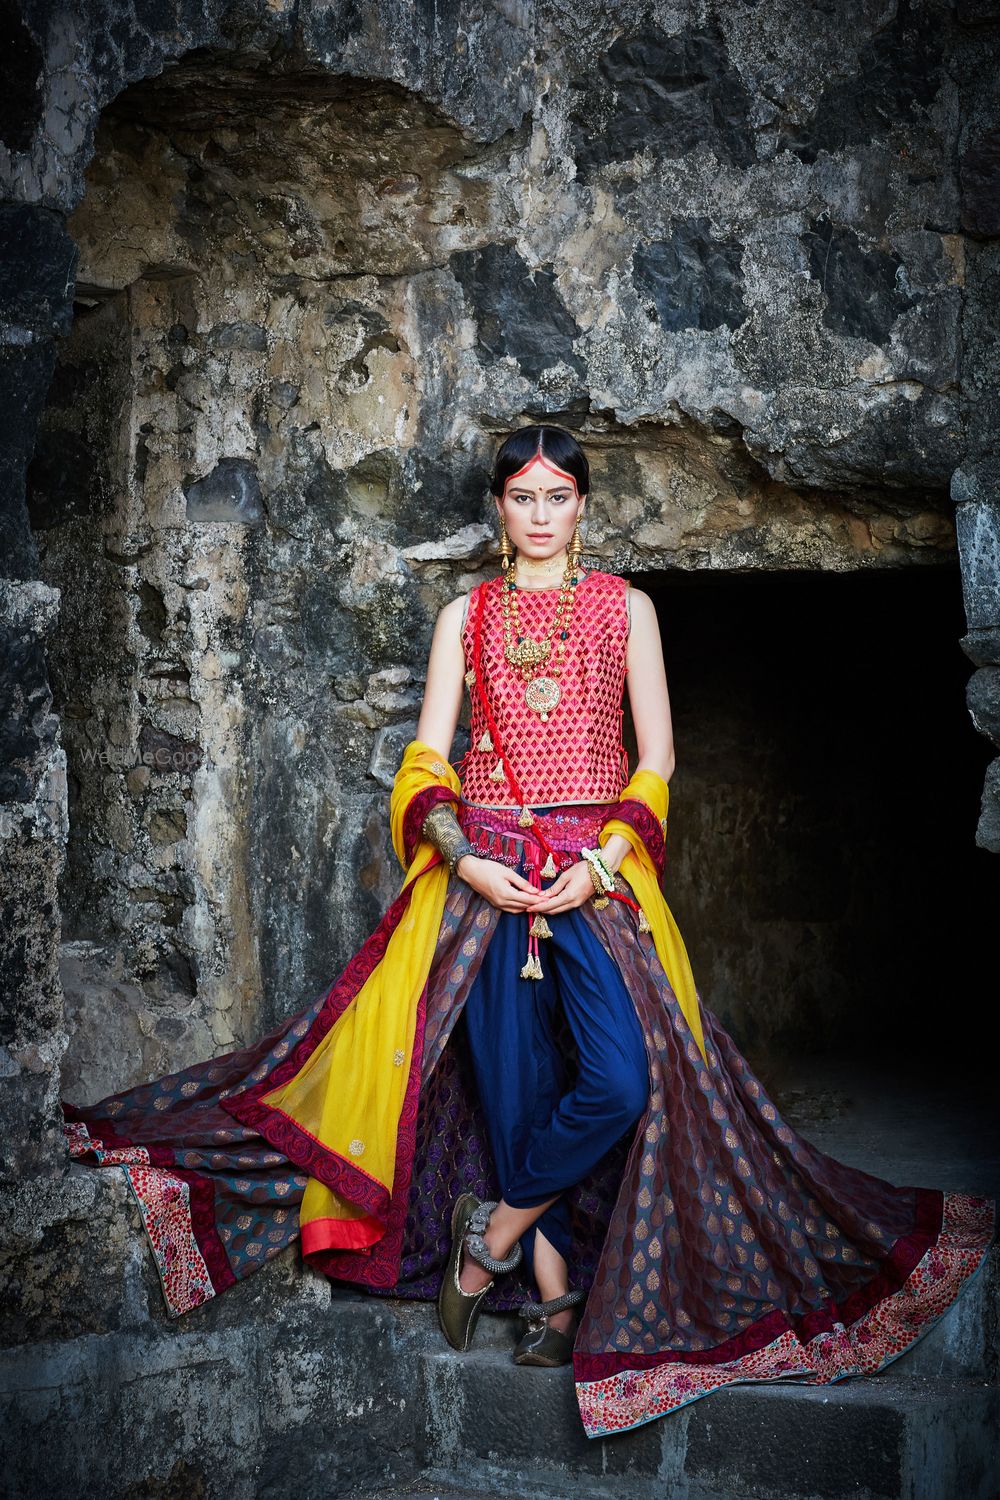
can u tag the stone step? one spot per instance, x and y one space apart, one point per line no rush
496 1427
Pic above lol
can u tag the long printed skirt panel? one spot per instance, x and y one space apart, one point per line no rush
718 1245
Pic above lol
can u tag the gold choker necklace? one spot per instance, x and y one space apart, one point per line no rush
550 569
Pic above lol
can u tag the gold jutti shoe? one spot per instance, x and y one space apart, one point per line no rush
458 1309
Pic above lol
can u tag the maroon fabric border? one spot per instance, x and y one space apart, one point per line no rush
417 809
378 1265
906 1253
201 1190
639 817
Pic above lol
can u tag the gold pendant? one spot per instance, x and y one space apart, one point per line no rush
470 677
539 927
526 819
486 742
498 773
527 653
549 868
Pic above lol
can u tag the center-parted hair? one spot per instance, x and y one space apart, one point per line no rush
525 443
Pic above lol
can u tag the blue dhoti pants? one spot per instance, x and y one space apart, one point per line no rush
549 1124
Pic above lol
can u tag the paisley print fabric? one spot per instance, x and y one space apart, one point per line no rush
717 1245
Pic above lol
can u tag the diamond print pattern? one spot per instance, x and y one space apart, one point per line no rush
577 755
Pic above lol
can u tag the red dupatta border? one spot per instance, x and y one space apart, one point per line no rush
417 809
378 1265
639 817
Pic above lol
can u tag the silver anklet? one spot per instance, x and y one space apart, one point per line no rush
537 1312
477 1247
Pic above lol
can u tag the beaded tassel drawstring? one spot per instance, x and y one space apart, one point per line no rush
533 965
532 968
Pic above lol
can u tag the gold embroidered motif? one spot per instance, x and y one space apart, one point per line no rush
356 1147
398 1057
439 768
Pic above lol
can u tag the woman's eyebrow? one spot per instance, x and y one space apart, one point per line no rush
520 489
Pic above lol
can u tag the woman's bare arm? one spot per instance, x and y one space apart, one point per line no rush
445 680
650 704
648 697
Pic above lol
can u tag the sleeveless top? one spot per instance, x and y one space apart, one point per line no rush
577 754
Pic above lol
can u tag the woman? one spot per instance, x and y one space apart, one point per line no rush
512 1097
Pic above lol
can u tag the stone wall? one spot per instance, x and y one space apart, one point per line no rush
277 276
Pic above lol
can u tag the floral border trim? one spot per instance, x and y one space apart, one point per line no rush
888 1328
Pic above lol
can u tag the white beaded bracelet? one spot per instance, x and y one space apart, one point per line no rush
594 858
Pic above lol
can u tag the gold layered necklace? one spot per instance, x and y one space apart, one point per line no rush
527 655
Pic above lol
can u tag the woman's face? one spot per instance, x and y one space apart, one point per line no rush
541 505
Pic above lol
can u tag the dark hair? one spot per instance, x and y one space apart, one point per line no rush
524 444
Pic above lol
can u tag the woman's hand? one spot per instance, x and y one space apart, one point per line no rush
572 888
576 885
502 887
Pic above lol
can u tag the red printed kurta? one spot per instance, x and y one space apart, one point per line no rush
576 755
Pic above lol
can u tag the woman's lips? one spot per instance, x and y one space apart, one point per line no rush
540 536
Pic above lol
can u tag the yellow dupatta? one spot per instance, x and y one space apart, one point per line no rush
638 869
348 1095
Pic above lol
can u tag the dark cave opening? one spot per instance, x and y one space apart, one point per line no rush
821 857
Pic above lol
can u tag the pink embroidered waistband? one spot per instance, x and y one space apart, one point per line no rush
495 834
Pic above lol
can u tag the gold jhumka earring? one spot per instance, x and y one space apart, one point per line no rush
506 550
575 546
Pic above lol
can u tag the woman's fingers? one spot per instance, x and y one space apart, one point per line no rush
572 888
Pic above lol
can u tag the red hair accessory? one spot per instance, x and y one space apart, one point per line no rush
540 458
